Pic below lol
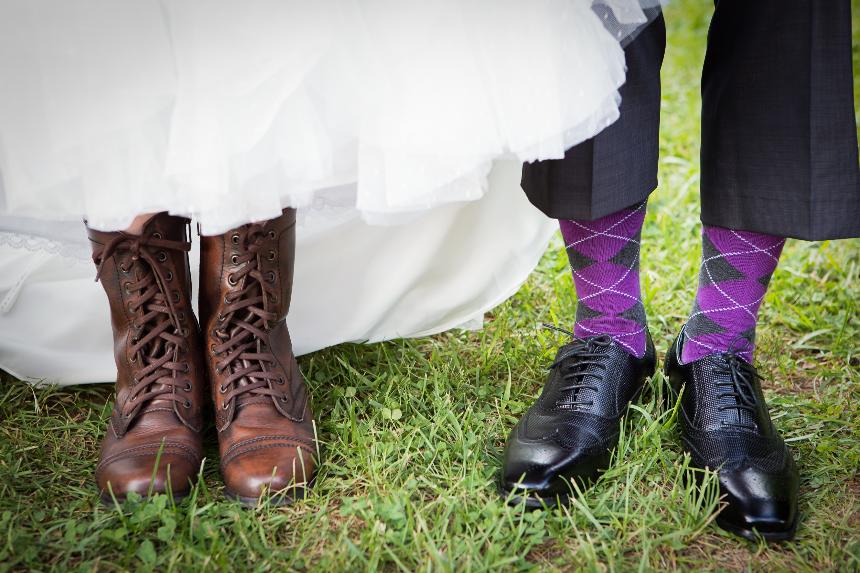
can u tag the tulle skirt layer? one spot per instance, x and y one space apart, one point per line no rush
354 282
229 111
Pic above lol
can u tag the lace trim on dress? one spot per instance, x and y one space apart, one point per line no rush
42 249
35 243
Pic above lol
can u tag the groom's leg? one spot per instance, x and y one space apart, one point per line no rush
779 159
617 168
598 191
779 140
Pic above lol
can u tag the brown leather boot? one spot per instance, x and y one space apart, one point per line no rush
262 410
160 387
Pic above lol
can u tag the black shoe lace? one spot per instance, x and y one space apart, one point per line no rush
158 336
245 350
740 386
585 353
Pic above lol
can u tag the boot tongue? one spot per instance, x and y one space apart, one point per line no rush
248 398
156 349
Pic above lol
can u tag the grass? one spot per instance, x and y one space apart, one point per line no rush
412 432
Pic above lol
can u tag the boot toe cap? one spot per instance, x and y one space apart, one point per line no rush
136 471
281 468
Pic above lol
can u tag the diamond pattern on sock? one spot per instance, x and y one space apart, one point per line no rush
578 261
733 279
604 260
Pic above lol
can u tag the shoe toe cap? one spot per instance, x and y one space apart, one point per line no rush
760 501
546 467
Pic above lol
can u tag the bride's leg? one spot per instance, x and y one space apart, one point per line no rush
157 416
262 408
139 222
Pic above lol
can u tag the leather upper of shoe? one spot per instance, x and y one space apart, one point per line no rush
725 425
160 376
569 432
262 407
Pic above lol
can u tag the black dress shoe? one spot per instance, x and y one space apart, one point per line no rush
570 431
725 426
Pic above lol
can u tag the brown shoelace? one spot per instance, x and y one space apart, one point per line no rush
158 337
244 326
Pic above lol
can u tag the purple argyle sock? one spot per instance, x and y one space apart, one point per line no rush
604 259
735 272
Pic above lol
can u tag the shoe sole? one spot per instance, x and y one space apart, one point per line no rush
533 500
280 499
109 501
754 535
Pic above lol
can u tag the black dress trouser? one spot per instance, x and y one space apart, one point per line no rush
779 139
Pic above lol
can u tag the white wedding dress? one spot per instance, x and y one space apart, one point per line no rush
397 128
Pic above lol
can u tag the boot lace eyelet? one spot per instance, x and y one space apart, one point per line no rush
280 381
187 404
169 276
176 297
222 389
156 235
272 234
225 406
235 239
234 259
162 256
271 256
270 276
231 280
188 387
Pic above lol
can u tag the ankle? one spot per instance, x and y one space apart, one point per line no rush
139 223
